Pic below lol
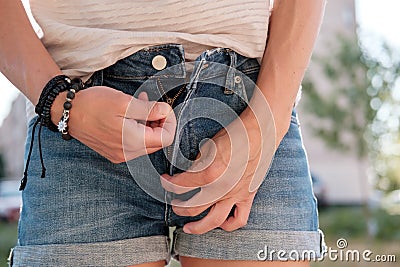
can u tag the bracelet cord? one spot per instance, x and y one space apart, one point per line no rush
49 93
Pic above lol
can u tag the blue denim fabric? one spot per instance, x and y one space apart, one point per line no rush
91 212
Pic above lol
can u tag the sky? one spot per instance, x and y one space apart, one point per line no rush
378 18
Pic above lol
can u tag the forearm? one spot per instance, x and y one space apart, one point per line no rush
294 26
24 59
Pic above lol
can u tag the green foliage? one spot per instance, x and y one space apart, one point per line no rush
360 111
337 222
388 225
344 111
8 239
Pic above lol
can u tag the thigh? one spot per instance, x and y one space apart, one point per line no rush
197 262
151 264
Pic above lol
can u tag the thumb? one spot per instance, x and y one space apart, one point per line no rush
143 96
142 109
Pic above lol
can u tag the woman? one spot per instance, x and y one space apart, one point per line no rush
91 209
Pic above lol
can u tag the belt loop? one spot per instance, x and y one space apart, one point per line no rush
196 73
230 76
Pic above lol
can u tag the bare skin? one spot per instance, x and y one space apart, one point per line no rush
151 264
292 33
29 66
294 26
195 262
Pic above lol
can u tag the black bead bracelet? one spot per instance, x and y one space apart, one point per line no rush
76 86
53 88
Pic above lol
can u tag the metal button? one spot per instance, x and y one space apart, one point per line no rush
238 79
159 62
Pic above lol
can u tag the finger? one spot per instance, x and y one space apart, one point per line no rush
215 218
239 218
143 96
195 177
189 212
162 135
204 198
129 155
209 193
168 128
181 183
140 109
139 135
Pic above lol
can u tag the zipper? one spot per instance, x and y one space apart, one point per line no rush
169 151
191 85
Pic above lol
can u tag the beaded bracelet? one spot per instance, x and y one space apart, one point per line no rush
76 86
52 89
49 93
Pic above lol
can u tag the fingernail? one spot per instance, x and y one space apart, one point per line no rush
163 108
187 229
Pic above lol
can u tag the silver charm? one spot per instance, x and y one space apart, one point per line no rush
62 125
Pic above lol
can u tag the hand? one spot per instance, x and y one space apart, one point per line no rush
228 175
116 125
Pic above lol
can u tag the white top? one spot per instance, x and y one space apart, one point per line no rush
84 36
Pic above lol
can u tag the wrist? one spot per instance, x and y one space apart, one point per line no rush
282 123
49 93
57 108
282 127
252 125
281 119
37 84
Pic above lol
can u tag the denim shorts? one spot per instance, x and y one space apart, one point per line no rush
88 211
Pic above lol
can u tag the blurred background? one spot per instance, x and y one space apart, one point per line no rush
350 120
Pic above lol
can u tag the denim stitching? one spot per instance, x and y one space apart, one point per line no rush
127 77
